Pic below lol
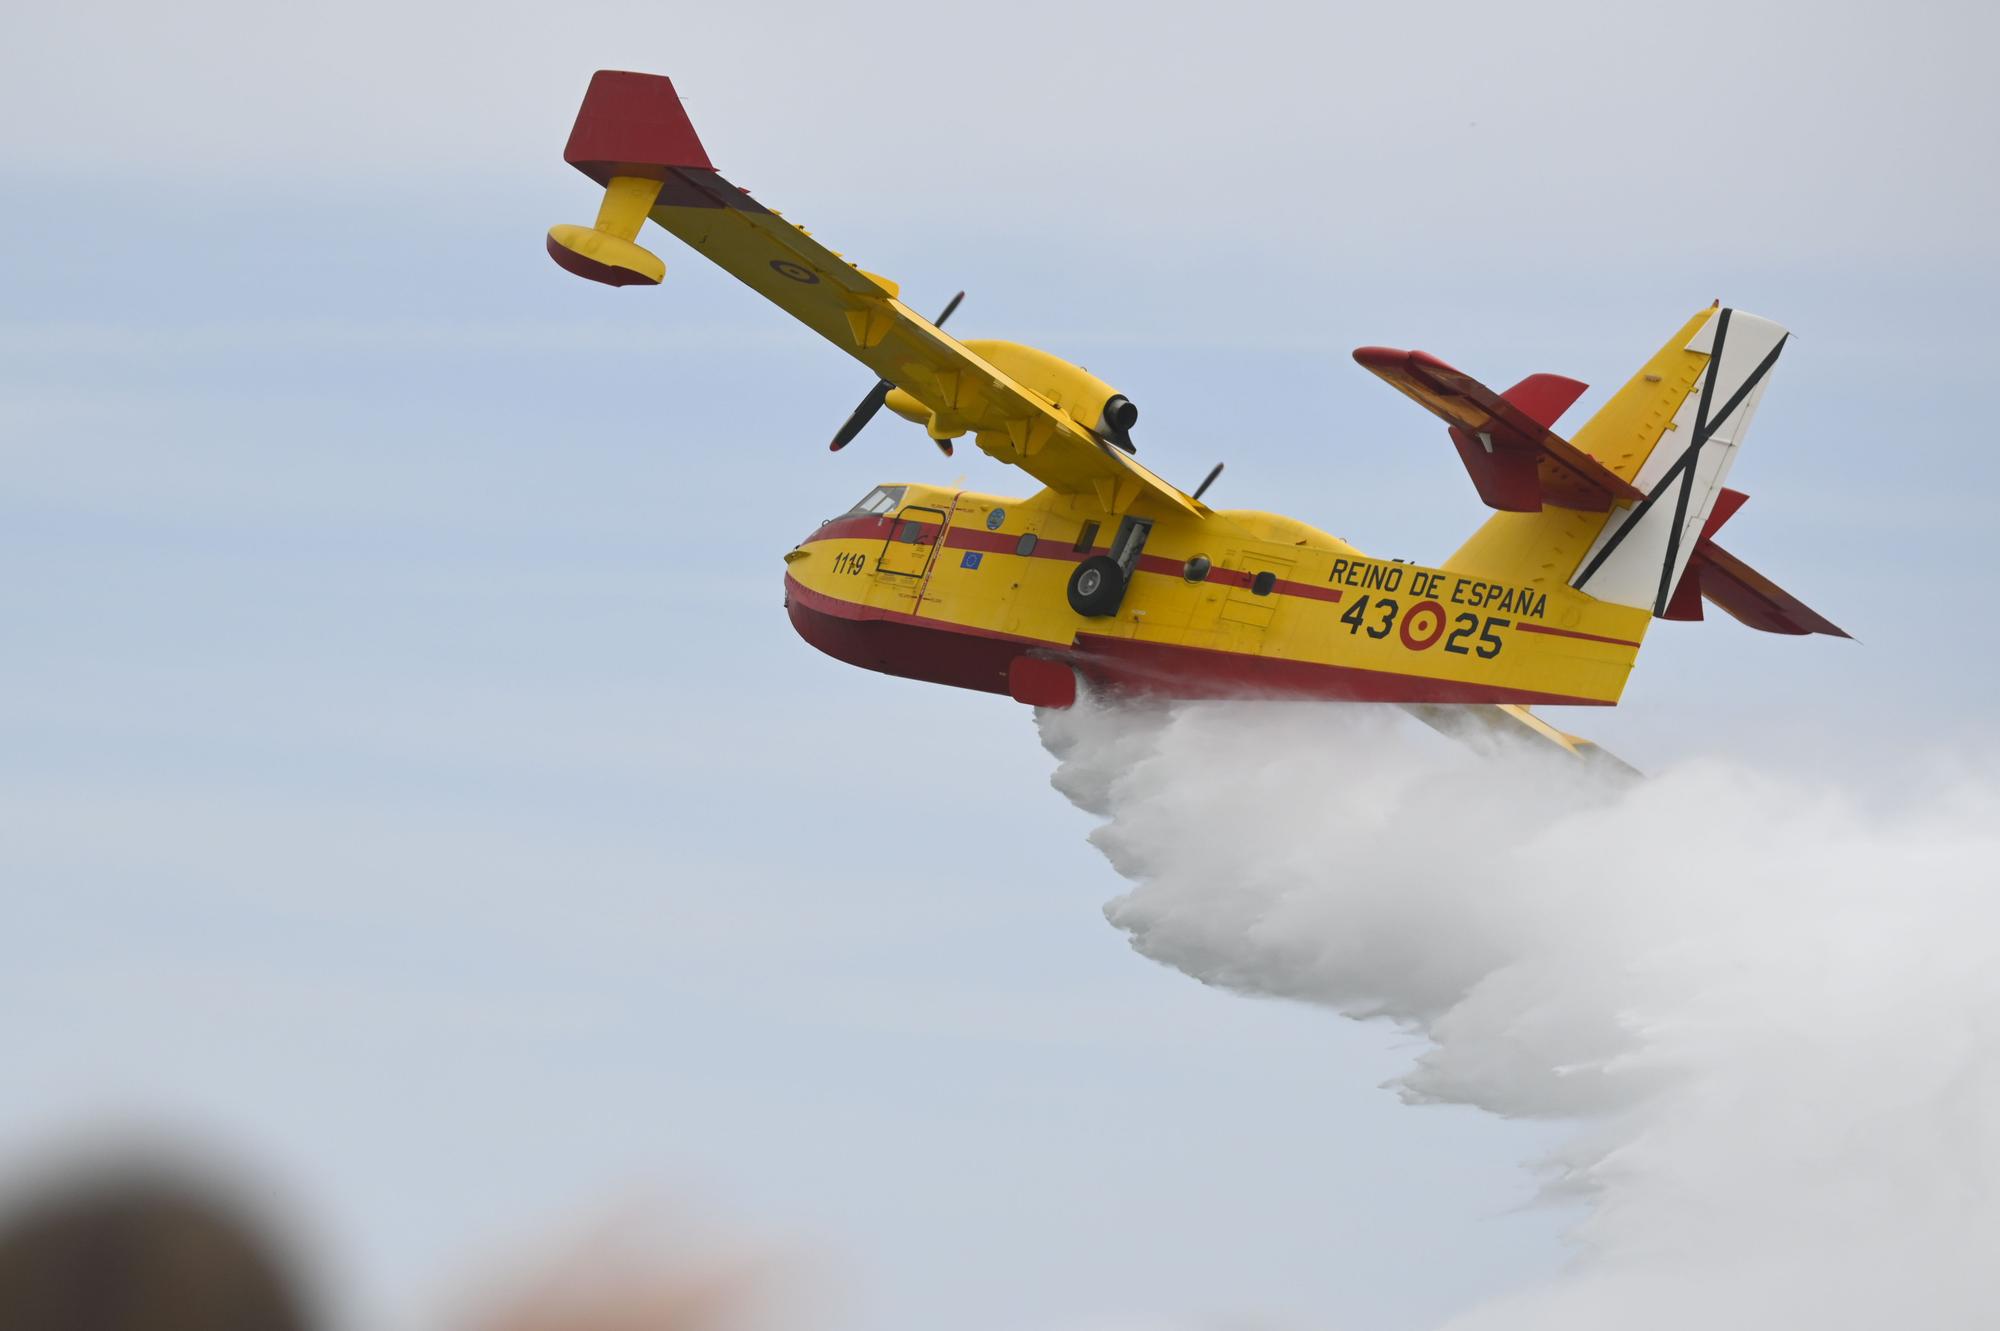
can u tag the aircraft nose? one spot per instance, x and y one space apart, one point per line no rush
806 542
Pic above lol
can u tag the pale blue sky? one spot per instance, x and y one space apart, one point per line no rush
412 785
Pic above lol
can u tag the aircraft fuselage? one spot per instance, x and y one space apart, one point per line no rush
976 591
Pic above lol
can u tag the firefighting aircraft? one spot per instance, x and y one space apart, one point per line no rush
1111 575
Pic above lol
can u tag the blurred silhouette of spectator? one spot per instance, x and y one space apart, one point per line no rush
135 1249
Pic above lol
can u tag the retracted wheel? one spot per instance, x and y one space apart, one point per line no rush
1097 586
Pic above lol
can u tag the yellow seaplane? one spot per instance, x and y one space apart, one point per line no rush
1110 575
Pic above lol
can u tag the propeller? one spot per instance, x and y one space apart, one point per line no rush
1207 481
879 393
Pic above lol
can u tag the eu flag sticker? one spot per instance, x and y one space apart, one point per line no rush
971 559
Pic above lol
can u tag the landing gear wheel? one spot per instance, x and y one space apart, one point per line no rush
1097 586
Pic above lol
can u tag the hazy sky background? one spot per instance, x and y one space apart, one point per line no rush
412 786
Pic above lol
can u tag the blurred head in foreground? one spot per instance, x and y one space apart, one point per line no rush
138 1250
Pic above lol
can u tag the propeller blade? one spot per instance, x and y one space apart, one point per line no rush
862 415
1207 481
879 393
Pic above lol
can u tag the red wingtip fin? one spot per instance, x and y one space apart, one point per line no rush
632 125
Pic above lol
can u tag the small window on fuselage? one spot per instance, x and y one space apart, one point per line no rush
880 502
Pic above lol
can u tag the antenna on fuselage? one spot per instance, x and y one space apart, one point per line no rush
880 393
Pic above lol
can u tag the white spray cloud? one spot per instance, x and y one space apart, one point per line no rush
1770 1008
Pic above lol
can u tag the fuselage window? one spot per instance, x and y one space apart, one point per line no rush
1262 584
1088 536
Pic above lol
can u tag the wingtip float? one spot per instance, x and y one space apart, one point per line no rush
630 136
1111 575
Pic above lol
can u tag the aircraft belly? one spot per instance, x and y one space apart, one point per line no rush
895 647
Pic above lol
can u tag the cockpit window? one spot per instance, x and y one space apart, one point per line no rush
880 501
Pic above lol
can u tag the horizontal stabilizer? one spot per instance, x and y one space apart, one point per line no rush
1752 598
1516 462
1744 593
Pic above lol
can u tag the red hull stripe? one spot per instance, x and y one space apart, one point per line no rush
1572 633
993 542
898 643
854 610
896 646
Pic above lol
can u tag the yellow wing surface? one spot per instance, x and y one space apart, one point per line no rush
1022 406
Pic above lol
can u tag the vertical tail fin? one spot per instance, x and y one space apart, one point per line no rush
1672 431
1639 555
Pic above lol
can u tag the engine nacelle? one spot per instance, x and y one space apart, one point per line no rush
1071 389
1078 393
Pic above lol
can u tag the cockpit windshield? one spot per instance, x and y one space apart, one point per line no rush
880 501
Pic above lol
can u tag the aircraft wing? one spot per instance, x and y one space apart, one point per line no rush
1516 461
633 126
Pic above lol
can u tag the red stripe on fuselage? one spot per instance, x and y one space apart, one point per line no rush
1572 633
1000 543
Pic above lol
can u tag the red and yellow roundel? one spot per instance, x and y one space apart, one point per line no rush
1423 626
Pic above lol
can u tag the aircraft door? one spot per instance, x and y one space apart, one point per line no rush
912 543
1246 612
